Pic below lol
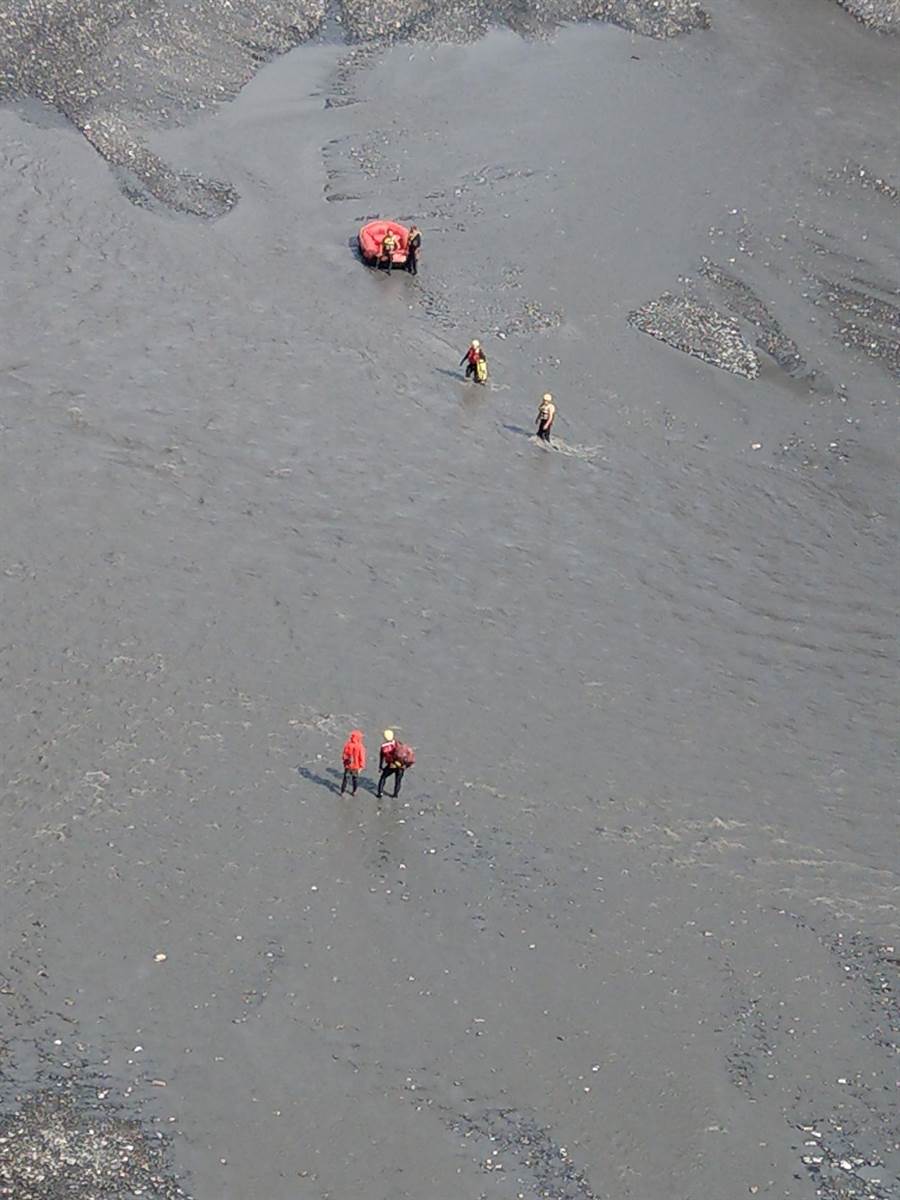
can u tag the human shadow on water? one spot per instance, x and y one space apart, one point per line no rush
457 375
329 784
334 783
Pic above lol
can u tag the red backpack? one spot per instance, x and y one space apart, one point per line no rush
404 756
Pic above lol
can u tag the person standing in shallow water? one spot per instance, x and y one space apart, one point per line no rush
354 757
476 362
388 246
386 762
413 245
395 759
546 415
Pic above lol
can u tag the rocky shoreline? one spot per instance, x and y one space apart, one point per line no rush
883 15
116 69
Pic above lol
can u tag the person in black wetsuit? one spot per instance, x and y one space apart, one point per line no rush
387 765
413 245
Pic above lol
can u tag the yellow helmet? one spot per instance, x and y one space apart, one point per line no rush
476 343
548 398
389 735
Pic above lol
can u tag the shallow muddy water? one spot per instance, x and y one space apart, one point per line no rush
631 927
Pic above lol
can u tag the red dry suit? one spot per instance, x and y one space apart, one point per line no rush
354 752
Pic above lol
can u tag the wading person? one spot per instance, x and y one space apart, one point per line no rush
394 759
354 758
388 246
476 362
413 245
546 415
386 760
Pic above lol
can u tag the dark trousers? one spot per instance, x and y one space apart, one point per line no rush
397 773
470 370
543 432
388 261
412 262
351 777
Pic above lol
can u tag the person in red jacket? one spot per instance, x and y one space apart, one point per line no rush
354 760
476 362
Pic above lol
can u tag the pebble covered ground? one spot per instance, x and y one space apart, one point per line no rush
698 330
113 67
744 303
883 15
56 1145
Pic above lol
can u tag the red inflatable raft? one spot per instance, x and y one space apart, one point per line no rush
372 235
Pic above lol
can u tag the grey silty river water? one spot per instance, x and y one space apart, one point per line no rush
630 929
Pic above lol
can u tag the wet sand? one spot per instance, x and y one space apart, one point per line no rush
631 928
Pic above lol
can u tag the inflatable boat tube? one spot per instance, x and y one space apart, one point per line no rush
372 235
